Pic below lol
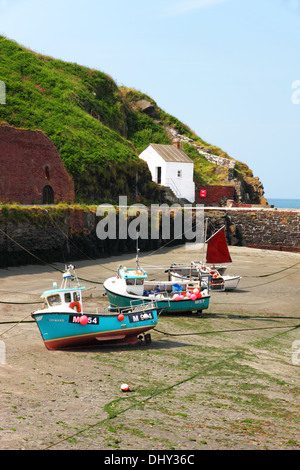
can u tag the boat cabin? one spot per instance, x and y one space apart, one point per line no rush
134 279
64 297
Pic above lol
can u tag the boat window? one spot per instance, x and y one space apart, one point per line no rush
139 282
130 282
54 300
67 297
76 296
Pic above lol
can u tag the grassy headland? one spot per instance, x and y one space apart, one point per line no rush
95 125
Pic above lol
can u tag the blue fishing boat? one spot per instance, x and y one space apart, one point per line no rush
131 287
63 323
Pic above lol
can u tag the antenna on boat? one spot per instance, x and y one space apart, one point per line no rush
67 276
137 254
205 233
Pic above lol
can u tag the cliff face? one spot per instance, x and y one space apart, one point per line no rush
99 129
249 190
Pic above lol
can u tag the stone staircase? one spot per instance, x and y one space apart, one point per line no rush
215 159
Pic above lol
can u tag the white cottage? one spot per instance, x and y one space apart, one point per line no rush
171 167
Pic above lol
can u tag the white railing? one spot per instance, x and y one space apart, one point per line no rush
171 184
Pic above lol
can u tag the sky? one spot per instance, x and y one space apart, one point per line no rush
228 69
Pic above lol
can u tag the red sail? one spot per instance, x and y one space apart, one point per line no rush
217 249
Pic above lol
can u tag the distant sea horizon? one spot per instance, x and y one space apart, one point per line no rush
284 203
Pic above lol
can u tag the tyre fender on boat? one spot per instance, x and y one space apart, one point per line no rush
77 305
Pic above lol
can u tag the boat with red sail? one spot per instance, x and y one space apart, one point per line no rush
217 254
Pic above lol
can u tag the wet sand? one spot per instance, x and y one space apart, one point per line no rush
226 379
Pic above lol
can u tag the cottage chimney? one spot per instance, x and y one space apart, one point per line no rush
176 143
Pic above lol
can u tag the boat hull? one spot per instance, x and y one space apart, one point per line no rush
117 300
231 282
61 330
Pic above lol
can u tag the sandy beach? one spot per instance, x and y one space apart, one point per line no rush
226 379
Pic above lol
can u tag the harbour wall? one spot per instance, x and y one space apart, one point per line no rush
272 229
36 234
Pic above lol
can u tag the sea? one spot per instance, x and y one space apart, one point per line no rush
284 203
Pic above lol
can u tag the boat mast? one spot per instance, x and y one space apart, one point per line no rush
137 254
68 277
204 242
215 233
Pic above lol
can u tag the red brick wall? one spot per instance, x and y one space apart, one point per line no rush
214 194
24 155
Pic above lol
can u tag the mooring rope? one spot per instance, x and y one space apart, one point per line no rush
227 331
16 324
45 262
72 242
276 272
29 252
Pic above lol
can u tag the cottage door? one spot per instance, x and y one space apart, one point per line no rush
48 195
158 174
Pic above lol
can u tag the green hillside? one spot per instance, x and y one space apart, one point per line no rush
95 125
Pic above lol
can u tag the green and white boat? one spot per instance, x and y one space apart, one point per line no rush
131 287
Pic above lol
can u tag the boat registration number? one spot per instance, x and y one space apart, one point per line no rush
92 320
135 317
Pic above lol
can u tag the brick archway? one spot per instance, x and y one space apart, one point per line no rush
48 195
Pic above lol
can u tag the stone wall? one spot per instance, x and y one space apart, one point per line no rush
51 234
271 229
54 234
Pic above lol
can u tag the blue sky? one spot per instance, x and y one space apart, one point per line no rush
226 68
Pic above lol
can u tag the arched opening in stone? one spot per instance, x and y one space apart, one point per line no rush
48 195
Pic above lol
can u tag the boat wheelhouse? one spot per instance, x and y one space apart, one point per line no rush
66 297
